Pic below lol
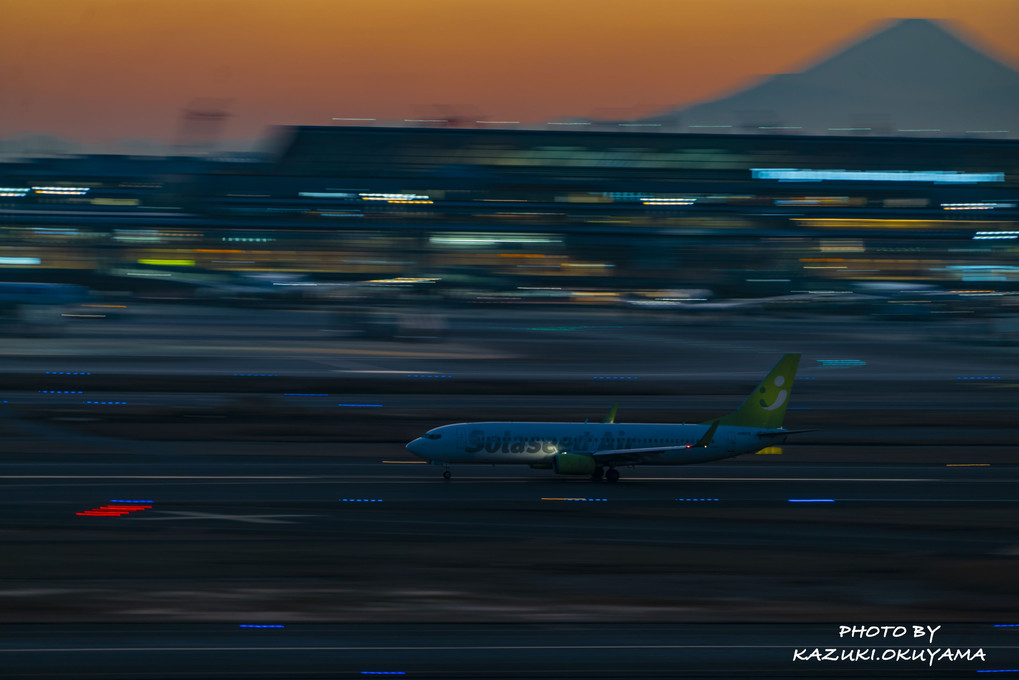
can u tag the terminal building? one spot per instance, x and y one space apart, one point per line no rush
589 212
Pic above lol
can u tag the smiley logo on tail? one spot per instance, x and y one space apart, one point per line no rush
782 394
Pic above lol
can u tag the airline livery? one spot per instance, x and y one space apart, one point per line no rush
597 449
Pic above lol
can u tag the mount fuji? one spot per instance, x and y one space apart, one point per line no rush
912 77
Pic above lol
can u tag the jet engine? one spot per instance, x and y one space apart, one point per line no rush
573 464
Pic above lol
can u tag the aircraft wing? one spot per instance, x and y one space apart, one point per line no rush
776 433
634 456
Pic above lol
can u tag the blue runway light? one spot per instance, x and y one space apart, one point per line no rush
68 372
811 500
695 499
615 377
562 498
360 500
251 625
427 375
1006 625
1003 670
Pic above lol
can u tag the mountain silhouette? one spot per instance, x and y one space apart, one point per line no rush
915 74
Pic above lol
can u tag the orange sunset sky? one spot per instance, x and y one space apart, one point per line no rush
95 71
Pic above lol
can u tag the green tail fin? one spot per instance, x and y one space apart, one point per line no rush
765 407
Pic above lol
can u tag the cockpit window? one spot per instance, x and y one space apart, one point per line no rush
433 435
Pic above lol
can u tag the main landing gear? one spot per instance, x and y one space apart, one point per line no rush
446 474
612 475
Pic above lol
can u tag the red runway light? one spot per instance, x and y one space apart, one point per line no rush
113 510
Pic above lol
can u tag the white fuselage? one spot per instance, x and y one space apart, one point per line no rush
538 443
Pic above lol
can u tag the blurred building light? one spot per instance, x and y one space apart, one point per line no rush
20 260
985 132
975 206
996 235
16 192
61 191
136 235
407 279
167 263
326 194
483 239
396 198
936 176
55 231
668 201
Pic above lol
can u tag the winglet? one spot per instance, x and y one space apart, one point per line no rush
704 441
611 417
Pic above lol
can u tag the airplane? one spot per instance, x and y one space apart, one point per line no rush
597 449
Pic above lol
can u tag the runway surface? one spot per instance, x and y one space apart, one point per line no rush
391 541
138 537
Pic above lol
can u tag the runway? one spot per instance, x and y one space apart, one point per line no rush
138 537
361 539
